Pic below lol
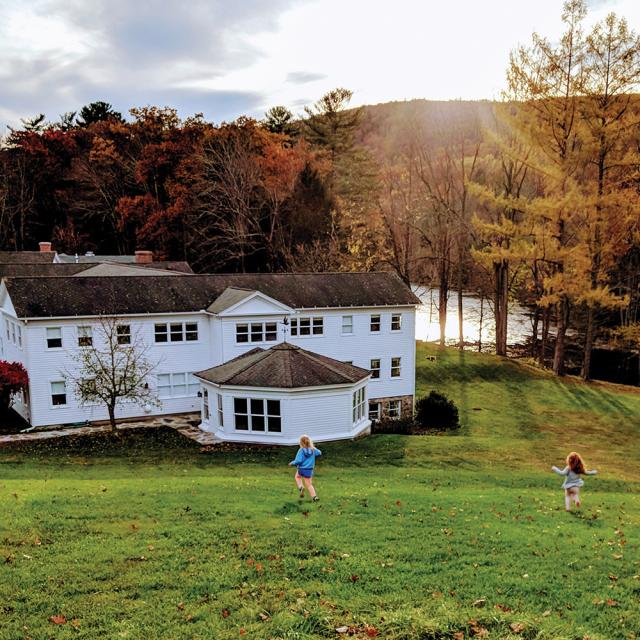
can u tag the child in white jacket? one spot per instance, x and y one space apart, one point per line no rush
574 469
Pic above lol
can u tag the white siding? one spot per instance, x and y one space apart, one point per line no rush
324 414
360 347
216 344
182 357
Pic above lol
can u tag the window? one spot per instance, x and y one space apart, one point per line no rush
160 332
177 385
123 332
205 404
241 412
396 322
307 326
14 332
394 410
58 393
257 332
54 338
85 336
358 405
191 331
395 367
374 411
175 332
242 333
375 324
375 369
257 414
220 411
347 325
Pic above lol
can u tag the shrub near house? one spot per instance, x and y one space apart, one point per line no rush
13 379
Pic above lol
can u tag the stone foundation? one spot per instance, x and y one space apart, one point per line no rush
406 405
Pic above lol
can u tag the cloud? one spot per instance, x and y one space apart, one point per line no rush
57 55
303 77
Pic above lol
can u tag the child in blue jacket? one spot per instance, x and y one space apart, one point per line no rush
305 461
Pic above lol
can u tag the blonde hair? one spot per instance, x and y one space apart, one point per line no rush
306 442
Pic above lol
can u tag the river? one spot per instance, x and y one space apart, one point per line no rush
428 329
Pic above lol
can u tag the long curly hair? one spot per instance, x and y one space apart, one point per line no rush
575 462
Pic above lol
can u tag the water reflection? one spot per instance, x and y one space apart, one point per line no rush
427 327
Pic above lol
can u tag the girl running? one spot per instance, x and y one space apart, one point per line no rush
305 461
573 470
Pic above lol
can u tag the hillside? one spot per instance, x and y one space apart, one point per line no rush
433 537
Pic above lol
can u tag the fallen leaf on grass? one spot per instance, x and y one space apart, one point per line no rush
242 631
547 613
37 541
258 566
480 602
503 607
59 619
371 632
343 629
458 635
355 578
75 623
181 606
264 617
611 603
226 613
516 627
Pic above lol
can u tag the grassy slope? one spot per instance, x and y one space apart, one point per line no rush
150 538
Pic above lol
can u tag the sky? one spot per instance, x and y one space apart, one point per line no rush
227 58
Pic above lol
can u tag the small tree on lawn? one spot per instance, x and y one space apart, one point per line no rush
112 366
13 379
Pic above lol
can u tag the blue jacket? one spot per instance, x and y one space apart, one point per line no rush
306 458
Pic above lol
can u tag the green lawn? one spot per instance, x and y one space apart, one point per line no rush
143 536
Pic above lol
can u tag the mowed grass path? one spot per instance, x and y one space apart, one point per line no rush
143 536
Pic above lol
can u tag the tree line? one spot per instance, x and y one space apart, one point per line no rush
534 198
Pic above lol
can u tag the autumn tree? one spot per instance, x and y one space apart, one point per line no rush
611 120
112 367
500 222
13 379
545 82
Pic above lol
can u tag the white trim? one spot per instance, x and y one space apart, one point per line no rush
258 437
228 312
293 390
117 316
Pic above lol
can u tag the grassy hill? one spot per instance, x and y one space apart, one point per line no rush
415 537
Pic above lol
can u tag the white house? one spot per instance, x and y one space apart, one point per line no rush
359 326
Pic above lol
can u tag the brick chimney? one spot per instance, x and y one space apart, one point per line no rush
45 247
144 257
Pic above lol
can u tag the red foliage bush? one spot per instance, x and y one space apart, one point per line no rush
13 378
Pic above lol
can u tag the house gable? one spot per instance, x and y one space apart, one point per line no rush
239 302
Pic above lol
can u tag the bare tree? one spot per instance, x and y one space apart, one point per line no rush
112 366
445 173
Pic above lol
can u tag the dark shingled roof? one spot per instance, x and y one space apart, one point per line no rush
39 269
283 366
122 295
19 257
